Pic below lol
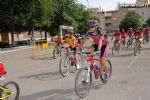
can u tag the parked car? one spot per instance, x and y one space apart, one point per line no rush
4 45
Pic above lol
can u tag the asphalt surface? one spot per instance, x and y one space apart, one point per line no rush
39 78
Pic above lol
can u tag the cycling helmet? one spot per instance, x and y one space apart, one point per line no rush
92 23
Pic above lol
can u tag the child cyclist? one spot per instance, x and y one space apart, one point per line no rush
98 43
71 41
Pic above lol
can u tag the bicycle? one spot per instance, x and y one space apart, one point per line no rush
130 42
6 92
137 46
145 38
58 50
84 75
116 48
67 62
123 42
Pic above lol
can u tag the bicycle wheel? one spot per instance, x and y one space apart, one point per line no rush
14 88
62 51
83 82
64 66
55 53
129 44
139 47
135 48
103 75
115 50
109 65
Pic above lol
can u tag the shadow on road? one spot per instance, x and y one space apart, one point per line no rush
42 58
145 49
122 55
58 94
44 76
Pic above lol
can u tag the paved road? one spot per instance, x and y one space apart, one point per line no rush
39 78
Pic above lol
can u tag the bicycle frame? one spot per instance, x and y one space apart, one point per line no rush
9 93
91 61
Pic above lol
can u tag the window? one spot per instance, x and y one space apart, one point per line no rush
108 24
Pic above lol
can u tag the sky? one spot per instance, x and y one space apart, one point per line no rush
105 4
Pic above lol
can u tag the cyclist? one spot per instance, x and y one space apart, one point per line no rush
138 35
59 40
97 41
124 37
146 33
71 41
117 36
130 33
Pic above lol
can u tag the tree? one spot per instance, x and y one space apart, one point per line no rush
148 22
46 15
131 20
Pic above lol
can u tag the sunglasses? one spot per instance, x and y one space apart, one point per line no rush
92 27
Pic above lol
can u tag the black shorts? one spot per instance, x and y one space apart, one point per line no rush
103 50
73 49
95 47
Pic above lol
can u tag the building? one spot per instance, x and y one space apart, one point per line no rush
110 20
143 1
142 9
97 12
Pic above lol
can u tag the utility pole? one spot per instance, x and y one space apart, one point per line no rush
88 4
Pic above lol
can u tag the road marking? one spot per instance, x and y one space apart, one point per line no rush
133 61
8 51
135 58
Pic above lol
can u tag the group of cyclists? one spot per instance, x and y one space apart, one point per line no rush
141 33
96 39
93 41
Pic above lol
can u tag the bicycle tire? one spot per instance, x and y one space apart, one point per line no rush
16 86
135 49
128 44
110 68
56 52
115 50
65 60
103 76
139 47
86 85
54 56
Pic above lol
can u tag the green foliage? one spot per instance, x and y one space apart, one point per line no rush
47 15
131 20
148 22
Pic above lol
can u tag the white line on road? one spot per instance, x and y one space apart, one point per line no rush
14 50
133 61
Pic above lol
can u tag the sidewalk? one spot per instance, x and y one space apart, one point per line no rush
12 49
